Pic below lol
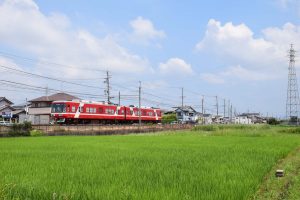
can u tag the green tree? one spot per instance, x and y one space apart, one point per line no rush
166 119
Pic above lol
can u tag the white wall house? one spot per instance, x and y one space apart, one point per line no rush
243 119
187 114
40 109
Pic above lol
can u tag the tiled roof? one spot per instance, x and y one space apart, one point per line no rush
55 97
186 109
5 99
6 106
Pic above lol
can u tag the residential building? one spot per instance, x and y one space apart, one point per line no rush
6 109
207 118
40 110
187 114
243 119
250 118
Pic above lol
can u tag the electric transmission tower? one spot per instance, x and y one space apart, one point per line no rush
292 102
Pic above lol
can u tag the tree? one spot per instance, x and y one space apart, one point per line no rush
166 119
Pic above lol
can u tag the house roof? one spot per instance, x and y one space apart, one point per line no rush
6 106
16 112
55 97
5 99
186 109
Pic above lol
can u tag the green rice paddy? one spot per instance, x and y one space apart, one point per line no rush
207 163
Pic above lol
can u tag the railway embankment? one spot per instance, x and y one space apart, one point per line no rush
56 130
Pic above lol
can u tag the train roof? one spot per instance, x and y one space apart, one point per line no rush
100 103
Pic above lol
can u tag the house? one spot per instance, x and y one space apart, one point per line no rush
256 118
207 119
243 119
6 109
218 119
40 109
20 114
250 118
187 114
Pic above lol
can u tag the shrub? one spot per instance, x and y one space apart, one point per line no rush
167 119
292 130
206 128
273 121
20 129
35 133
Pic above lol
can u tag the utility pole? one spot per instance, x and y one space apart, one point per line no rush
47 92
119 98
217 105
26 111
224 107
140 91
231 113
228 109
107 90
202 108
182 97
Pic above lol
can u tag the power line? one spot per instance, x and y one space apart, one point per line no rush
38 88
10 55
49 78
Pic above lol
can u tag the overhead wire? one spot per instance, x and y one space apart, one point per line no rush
49 78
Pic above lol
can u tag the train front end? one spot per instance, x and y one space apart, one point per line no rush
60 112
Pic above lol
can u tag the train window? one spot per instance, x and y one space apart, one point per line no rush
73 109
158 113
80 109
131 112
58 108
144 113
87 110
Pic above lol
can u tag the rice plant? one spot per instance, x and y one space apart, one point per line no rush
183 165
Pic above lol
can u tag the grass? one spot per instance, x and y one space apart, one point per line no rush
286 187
228 162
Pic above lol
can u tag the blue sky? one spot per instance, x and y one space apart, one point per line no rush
233 49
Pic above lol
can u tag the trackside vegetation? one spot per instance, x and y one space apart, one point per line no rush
208 162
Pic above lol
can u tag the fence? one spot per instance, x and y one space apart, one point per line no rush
101 129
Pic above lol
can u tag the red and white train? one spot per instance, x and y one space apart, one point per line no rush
82 112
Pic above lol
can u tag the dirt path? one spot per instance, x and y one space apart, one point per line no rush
287 187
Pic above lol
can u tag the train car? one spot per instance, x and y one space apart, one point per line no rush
84 112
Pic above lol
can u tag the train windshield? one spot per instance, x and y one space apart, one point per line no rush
58 108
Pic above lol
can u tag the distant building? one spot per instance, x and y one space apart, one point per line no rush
187 114
6 109
218 119
243 119
40 110
207 118
250 118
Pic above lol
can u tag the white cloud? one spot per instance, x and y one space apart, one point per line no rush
255 58
212 78
246 74
234 73
24 27
144 31
175 66
238 43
